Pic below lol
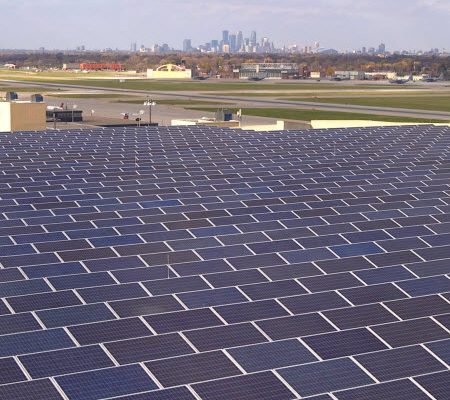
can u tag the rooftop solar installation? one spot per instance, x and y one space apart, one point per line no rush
204 263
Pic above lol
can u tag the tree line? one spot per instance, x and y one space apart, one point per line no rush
225 63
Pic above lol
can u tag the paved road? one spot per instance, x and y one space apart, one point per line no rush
258 102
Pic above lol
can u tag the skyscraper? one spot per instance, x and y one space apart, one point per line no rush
381 48
253 38
187 45
233 43
215 43
240 41
225 37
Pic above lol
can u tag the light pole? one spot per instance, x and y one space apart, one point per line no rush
74 107
150 103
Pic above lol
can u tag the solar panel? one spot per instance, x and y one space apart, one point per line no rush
205 263
322 377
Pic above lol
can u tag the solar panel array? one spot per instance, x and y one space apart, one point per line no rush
205 263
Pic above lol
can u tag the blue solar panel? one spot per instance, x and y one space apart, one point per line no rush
81 280
65 316
45 270
68 361
192 368
10 372
344 343
43 301
33 342
106 383
179 393
18 323
397 390
272 355
324 377
441 349
207 298
384 275
261 386
109 330
224 260
23 287
33 390
148 348
424 286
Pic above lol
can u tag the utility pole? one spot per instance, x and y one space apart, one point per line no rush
150 103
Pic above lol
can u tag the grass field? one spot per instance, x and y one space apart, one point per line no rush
91 96
208 86
337 91
308 115
427 102
31 89
176 102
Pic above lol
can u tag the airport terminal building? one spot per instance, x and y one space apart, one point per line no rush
268 71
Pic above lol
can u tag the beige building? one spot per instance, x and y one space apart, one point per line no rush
169 71
22 116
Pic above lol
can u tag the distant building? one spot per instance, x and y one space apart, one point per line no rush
349 75
169 71
233 43
253 40
101 67
187 45
316 75
268 71
381 48
214 46
225 37
70 66
325 51
240 41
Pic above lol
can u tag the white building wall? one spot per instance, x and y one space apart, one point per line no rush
22 116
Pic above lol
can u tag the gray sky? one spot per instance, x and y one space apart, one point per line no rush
341 24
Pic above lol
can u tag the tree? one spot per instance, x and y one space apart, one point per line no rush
329 71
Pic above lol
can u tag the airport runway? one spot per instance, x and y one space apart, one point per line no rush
256 102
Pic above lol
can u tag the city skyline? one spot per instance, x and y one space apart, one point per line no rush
342 24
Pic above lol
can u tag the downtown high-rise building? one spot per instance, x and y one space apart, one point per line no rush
187 45
253 38
225 37
233 43
239 41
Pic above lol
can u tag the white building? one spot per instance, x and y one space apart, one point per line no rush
316 75
22 116
350 75
169 71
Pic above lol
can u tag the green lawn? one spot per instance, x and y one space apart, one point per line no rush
429 102
188 85
35 89
92 96
176 102
308 115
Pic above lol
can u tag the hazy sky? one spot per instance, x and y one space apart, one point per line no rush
341 24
